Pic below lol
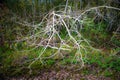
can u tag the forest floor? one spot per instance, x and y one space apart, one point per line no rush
91 72
62 75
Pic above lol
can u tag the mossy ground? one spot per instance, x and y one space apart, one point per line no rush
15 64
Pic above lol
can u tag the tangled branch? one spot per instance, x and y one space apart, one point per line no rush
48 33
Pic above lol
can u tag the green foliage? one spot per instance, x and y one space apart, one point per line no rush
94 31
107 73
104 61
116 40
115 63
50 62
